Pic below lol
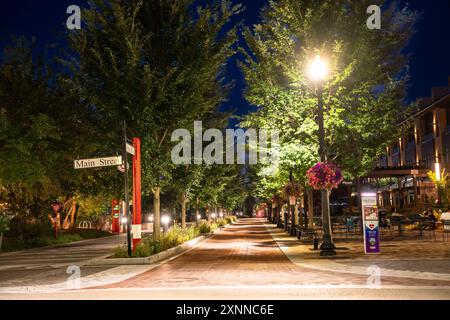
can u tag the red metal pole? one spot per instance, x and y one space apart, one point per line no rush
136 227
115 225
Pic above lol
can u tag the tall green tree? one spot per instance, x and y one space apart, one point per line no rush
363 93
156 65
43 127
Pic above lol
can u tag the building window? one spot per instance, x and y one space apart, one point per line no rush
411 137
428 123
448 115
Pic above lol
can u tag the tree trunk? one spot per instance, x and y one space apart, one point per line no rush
293 222
310 207
350 201
1 241
197 211
74 212
71 214
183 210
358 190
279 214
75 216
157 213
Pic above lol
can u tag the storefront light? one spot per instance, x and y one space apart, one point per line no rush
437 169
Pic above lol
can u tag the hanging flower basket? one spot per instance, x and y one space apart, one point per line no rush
276 199
324 176
292 189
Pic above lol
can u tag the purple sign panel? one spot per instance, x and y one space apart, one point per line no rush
371 223
372 237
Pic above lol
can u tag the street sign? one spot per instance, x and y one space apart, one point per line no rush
130 149
370 223
99 162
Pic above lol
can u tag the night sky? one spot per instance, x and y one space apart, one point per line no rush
430 48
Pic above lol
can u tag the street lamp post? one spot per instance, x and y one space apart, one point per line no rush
127 195
318 73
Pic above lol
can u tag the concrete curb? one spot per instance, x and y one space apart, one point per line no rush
151 259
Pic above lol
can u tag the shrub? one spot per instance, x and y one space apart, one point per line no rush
172 238
90 234
204 227
143 249
221 222
157 246
230 219
120 252
214 226
28 231
4 223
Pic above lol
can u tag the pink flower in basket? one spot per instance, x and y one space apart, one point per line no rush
324 175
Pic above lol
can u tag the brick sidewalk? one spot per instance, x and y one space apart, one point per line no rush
245 254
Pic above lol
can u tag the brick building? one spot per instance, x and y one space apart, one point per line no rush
424 145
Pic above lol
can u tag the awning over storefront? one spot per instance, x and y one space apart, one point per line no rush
398 172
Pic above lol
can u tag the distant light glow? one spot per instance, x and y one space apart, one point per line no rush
165 219
124 220
213 215
368 194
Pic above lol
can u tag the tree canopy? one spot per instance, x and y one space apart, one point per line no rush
363 93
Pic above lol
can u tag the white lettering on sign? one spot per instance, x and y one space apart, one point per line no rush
99 162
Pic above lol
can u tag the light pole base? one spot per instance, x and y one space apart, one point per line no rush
327 249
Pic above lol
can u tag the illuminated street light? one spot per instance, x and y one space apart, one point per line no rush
199 217
221 214
437 169
151 218
124 220
318 71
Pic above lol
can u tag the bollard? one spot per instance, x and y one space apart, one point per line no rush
316 244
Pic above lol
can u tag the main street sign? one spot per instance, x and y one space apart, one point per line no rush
96 163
